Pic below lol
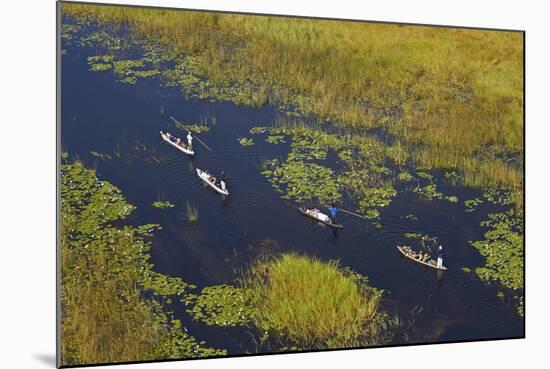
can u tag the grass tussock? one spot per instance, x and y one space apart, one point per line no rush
192 213
313 304
453 95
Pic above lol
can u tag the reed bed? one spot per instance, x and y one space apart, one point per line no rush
452 92
312 304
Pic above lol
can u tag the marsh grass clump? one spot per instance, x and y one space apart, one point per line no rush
192 213
313 304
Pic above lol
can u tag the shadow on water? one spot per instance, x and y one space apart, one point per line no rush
124 121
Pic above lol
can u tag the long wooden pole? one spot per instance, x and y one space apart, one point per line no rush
198 139
349 212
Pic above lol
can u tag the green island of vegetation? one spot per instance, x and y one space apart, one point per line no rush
300 302
311 304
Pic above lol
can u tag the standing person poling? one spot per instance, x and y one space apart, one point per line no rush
189 140
223 180
333 210
440 257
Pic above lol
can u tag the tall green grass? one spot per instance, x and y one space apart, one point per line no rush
447 94
104 320
313 304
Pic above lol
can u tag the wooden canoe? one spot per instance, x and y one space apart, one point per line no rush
333 225
434 265
204 176
179 147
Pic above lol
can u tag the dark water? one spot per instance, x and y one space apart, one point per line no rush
101 115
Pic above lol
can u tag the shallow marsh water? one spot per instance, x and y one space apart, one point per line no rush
115 127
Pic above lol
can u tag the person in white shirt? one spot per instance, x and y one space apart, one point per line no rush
440 257
189 140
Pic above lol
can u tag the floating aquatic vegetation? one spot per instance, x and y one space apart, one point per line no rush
221 305
100 59
423 239
200 127
146 73
194 128
100 67
125 70
245 141
303 175
503 249
428 192
520 304
405 176
305 181
275 139
258 130
498 196
163 204
100 63
411 217
452 198
472 205
426 175
466 270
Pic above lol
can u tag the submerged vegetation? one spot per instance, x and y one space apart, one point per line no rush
192 213
110 309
